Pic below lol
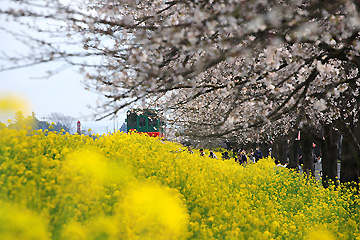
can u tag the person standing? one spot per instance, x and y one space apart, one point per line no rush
225 156
243 157
189 150
212 155
252 155
258 154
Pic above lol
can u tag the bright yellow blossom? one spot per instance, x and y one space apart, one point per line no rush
122 186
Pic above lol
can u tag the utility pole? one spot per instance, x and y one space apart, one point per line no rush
114 121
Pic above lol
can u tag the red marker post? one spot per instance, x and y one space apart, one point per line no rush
78 127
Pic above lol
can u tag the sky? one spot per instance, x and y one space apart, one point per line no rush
62 93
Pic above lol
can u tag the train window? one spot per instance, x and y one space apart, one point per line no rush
142 121
152 120
132 120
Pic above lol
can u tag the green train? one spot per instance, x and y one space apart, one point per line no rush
145 121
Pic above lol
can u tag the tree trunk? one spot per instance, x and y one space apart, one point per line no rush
264 148
294 153
350 154
330 151
306 145
349 171
280 149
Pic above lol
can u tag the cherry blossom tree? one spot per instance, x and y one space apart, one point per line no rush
220 67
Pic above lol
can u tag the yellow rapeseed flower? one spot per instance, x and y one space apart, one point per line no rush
320 234
94 165
153 212
17 222
130 186
12 103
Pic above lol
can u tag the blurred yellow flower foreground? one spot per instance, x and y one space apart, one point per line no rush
61 186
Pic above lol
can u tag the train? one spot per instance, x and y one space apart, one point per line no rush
145 121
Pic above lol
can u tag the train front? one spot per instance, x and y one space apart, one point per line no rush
145 121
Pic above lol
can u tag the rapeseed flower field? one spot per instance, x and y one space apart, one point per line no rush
119 186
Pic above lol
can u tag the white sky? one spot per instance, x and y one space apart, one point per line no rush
62 93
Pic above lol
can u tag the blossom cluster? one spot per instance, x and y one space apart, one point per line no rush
120 186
